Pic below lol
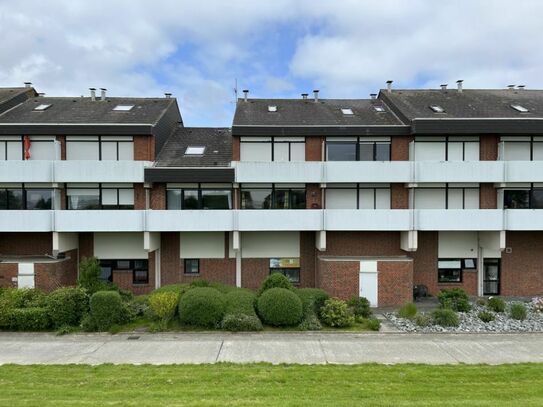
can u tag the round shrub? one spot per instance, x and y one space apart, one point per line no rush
496 304
67 306
175 288
486 316
164 305
445 317
408 311
29 319
314 296
337 313
280 307
240 301
241 322
202 306
455 299
360 307
518 311
106 309
199 283
275 280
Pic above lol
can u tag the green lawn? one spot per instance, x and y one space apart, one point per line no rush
262 384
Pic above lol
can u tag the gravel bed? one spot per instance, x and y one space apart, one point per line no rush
470 322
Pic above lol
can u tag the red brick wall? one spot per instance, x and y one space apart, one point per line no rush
139 196
235 148
170 268
395 283
399 148
488 147
253 272
144 148
158 197
339 278
308 259
124 278
313 196
86 244
488 198
363 244
522 269
62 140
26 243
313 148
50 276
399 196
8 271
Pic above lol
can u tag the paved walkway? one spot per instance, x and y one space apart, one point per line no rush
313 348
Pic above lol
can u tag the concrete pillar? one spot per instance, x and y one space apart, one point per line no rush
409 240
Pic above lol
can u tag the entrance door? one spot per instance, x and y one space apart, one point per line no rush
368 281
491 277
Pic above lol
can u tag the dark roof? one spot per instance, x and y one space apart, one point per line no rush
82 110
324 114
10 97
217 143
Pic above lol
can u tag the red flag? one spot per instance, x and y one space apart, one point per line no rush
26 144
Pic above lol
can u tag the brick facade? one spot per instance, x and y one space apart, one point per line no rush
26 243
488 197
53 275
522 270
399 196
313 148
399 148
235 148
339 278
394 282
8 275
158 197
313 196
144 148
139 197
488 147
363 244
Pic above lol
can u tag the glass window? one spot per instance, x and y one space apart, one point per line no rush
382 198
382 152
192 266
449 271
341 198
126 198
537 198
455 198
281 199
126 151
297 151
39 199
122 265
109 150
471 198
173 197
430 198
365 151
293 274
297 199
82 199
216 199
256 198
82 150
11 199
190 199
109 197
14 150
42 150
516 199
140 276
254 151
281 151
340 151
516 151
366 198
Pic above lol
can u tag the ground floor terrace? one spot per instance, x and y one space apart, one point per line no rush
383 266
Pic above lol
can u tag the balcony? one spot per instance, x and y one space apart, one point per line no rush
367 171
26 171
285 172
280 220
458 171
458 219
365 219
26 221
99 221
190 220
523 219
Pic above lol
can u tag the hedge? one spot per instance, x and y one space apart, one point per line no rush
280 307
241 322
240 301
29 319
314 296
202 306
106 309
67 306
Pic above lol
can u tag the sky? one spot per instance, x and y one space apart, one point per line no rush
200 50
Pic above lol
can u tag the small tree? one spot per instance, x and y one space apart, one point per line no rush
164 305
89 275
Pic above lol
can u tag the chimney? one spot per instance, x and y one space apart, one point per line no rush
459 85
168 95
316 93
389 86
511 87
443 86
41 94
373 96
103 94
28 84
521 87
93 94
304 96
245 93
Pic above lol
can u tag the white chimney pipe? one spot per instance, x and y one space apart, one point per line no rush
459 85
521 87
28 84
103 94
316 93
389 86
168 95
245 93
373 96
511 87
93 94
443 86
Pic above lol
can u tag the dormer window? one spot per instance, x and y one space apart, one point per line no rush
437 109
520 108
272 108
347 111
379 108
123 108
42 107
195 150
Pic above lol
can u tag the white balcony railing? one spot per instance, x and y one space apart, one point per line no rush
365 219
458 219
99 221
279 219
190 220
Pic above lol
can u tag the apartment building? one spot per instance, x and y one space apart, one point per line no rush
371 197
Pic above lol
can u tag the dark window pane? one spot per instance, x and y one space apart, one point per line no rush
140 276
341 151
365 151
256 199
192 266
293 274
216 199
15 198
516 199
297 199
82 202
281 199
173 199
537 199
3 199
190 199
39 198
141 264
123 265
449 276
382 152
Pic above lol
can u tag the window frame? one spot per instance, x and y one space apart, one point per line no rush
24 197
447 187
273 140
361 140
532 140
450 139
460 270
363 186
100 189
185 268
199 188
530 190
273 188
101 140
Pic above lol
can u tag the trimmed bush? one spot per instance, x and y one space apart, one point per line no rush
241 322
224 288
240 301
445 317
67 306
455 299
486 316
106 309
423 320
199 283
280 307
408 311
29 319
496 304
518 311
373 324
164 305
337 313
202 306
13 298
314 296
275 280
360 307
174 288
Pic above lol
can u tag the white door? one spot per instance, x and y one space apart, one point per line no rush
368 281
25 275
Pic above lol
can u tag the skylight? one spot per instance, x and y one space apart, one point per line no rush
379 108
123 108
520 108
347 111
437 109
42 107
272 108
195 150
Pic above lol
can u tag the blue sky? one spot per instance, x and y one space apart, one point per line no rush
197 49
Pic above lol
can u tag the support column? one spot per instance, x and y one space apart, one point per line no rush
320 240
409 240
236 246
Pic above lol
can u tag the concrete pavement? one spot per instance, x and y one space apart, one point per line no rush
305 348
